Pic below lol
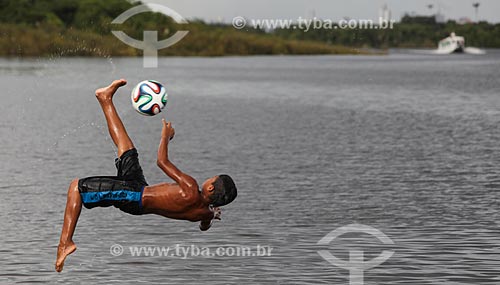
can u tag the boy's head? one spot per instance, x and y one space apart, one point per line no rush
220 190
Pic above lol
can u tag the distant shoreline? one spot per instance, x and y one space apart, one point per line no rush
46 41
83 28
38 58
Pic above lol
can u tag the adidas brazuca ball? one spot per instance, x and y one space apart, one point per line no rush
149 97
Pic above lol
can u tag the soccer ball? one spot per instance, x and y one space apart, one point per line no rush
149 97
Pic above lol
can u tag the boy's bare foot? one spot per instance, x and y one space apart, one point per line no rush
106 93
63 250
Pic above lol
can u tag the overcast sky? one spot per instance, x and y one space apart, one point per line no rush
216 10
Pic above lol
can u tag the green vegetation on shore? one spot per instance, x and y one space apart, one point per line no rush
83 28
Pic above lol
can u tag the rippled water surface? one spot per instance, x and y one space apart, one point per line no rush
407 144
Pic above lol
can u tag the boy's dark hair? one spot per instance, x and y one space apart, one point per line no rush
224 191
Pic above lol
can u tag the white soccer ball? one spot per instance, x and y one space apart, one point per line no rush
149 97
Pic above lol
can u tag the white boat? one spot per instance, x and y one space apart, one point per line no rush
455 44
451 44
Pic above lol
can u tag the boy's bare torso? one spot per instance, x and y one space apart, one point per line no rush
171 201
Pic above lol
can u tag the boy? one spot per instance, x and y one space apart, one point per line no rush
129 190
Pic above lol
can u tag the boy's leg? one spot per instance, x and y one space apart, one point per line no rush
115 126
71 215
74 201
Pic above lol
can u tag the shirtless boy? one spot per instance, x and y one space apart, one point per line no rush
129 190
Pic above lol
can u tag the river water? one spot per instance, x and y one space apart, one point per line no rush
405 144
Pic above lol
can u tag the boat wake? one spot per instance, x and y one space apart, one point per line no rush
467 50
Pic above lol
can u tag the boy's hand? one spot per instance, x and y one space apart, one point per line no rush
206 224
217 213
167 131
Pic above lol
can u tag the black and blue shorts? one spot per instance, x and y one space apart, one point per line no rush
123 191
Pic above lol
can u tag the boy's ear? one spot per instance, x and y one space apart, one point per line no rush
211 188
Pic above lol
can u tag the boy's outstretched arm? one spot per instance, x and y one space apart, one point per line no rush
185 181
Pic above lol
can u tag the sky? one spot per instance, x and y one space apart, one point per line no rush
226 10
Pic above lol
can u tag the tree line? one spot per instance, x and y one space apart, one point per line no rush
83 28
411 32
